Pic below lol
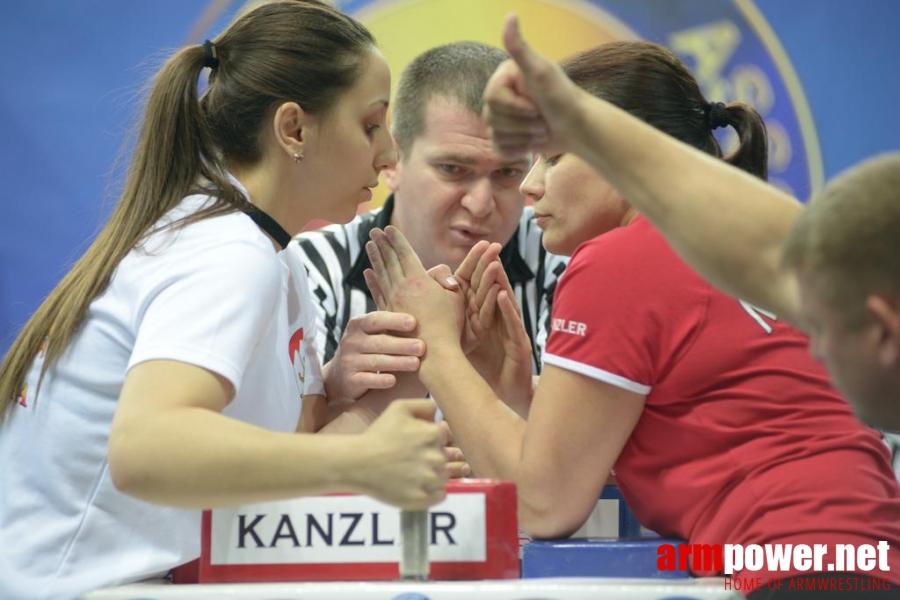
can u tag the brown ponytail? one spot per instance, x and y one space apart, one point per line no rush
752 153
649 82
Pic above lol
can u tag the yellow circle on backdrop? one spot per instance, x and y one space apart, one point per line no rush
557 28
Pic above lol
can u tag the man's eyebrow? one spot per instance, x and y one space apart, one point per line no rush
450 157
516 163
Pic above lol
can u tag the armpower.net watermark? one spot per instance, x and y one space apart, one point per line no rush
868 562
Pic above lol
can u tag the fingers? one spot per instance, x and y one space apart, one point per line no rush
505 286
380 276
420 409
391 347
387 258
444 276
486 281
374 363
457 469
518 100
366 335
489 257
381 321
453 454
512 321
395 257
503 94
430 490
467 268
474 324
374 381
489 306
406 257
377 295
532 65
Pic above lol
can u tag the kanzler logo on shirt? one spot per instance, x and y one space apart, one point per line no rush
567 326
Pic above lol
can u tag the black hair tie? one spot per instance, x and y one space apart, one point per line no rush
716 115
212 55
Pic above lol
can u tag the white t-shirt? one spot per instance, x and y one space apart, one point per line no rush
213 294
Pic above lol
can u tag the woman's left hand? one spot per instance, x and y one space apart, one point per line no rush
502 350
400 283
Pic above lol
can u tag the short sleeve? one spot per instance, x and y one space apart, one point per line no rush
622 312
211 307
302 319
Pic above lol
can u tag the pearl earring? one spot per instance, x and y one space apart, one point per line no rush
297 157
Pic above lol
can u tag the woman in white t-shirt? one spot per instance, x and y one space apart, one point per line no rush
164 374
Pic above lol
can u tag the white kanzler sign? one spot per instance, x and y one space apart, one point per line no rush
342 529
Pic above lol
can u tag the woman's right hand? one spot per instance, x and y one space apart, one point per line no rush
404 462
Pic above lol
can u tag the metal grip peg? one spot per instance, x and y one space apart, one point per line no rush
414 564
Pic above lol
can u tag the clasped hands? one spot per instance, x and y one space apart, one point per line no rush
457 310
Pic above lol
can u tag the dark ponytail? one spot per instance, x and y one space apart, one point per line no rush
752 153
649 82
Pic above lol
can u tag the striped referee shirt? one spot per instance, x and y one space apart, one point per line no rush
335 258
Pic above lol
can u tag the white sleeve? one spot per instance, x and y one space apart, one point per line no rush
302 317
209 308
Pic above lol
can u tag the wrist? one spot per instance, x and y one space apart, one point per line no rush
440 359
355 462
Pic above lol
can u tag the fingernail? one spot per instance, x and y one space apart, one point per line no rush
409 322
451 281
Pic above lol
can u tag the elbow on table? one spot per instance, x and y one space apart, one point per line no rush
550 523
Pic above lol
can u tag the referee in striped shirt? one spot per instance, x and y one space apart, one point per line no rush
450 190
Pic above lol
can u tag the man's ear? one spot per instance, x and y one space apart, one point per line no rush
392 174
885 312
292 127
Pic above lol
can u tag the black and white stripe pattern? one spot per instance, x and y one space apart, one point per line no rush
335 258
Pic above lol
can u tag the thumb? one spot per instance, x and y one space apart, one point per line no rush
519 50
420 409
443 275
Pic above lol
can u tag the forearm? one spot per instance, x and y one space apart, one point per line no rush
489 433
355 417
196 458
730 226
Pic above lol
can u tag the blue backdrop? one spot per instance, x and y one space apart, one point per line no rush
72 73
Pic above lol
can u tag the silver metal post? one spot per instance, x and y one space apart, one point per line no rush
414 565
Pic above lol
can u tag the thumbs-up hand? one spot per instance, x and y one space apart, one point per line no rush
529 103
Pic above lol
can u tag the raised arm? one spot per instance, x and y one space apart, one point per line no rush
728 225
